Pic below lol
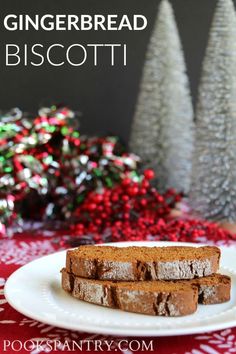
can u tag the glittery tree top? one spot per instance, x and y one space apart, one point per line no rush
213 191
162 129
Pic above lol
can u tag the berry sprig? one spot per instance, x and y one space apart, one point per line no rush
127 211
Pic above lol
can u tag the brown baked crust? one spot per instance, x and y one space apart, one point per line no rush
142 263
158 298
213 289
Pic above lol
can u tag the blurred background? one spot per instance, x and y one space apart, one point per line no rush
104 95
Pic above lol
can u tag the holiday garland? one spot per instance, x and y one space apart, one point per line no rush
49 171
135 211
47 168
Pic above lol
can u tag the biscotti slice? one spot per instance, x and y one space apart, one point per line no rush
213 289
158 298
142 263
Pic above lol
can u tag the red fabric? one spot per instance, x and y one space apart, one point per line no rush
18 330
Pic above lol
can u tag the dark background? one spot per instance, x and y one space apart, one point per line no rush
105 95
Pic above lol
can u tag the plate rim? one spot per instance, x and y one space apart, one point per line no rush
128 332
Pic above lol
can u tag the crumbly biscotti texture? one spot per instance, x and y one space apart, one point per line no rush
158 298
142 263
213 289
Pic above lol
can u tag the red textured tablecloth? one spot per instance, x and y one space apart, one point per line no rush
17 331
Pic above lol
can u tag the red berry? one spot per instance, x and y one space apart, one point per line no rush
127 207
143 191
126 182
98 198
115 197
149 174
92 206
145 183
125 198
132 191
160 198
143 202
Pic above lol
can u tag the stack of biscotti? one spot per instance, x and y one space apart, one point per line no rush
166 281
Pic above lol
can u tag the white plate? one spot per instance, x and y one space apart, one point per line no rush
35 291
